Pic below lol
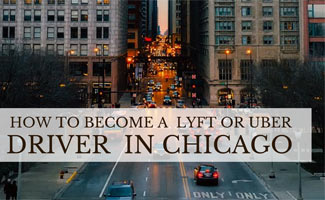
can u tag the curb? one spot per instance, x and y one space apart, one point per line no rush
261 179
59 193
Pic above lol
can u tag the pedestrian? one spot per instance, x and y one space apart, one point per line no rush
198 102
6 189
13 191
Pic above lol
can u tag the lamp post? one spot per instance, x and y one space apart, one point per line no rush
227 52
96 50
249 52
68 54
298 135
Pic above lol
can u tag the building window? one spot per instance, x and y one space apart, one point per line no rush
27 48
60 16
225 69
84 32
289 11
83 50
5 15
246 25
317 49
50 2
245 69
37 15
99 52
267 11
78 68
60 2
50 15
28 2
103 2
316 29
246 11
98 69
224 40
50 49
74 32
27 15
11 2
84 15
289 26
36 48
267 1
37 2
84 1
268 40
37 32
269 63
27 32
289 40
60 49
131 35
74 1
131 45
60 32
50 32
105 49
74 15
225 26
74 49
246 39
8 32
99 15
224 11
99 32
316 10
267 25
106 15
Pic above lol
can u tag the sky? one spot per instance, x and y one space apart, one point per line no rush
163 15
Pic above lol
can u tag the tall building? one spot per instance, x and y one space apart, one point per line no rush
152 18
174 21
134 27
313 34
90 34
227 29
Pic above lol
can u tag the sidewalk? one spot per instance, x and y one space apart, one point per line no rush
125 100
42 180
285 183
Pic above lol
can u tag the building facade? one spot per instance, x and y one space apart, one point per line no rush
92 35
174 21
269 29
313 34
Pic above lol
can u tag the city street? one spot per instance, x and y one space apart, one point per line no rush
166 180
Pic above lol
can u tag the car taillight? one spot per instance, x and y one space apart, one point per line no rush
207 171
215 175
200 175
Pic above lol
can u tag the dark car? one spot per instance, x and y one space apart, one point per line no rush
176 95
167 100
120 190
173 87
151 83
206 174
180 103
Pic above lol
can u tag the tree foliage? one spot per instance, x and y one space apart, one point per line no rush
292 85
35 80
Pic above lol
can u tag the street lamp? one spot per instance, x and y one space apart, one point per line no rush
227 52
96 50
249 52
298 136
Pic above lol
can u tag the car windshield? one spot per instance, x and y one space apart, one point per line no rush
120 192
180 102
167 97
204 168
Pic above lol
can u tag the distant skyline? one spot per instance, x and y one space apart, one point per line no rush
163 15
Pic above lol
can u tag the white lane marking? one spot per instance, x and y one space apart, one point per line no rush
147 168
245 181
222 180
111 174
146 179
291 195
144 193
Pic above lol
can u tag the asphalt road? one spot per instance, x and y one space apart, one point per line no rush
166 180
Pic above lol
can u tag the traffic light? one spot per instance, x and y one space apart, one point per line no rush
193 86
101 93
